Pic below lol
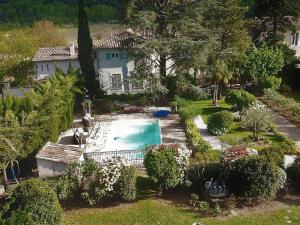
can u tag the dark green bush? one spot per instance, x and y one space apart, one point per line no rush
284 88
220 122
126 185
34 197
162 166
254 177
293 172
272 82
240 99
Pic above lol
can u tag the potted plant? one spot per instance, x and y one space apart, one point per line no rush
174 106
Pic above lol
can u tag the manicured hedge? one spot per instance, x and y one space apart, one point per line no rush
220 122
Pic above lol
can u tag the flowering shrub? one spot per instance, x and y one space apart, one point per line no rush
219 123
167 164
233 153
286 106
92 182
257 118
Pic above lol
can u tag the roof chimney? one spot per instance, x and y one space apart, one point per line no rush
72 49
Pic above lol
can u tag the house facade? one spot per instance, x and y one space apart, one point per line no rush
112 64
292 39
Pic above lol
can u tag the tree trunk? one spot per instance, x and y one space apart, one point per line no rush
163 75
215 101
5 176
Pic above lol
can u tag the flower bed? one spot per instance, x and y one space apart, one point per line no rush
285 106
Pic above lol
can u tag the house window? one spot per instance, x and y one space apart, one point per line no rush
42 68
115 55
296 39
137 84
116 82
47 67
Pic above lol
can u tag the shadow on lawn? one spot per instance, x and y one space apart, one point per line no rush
210 110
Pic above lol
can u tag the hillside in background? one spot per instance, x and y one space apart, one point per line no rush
25 12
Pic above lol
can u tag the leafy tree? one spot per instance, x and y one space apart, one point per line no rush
262 62
85 51
47 34
258 119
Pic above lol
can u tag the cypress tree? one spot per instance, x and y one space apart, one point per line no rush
85 51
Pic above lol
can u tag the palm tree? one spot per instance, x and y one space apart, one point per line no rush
220 75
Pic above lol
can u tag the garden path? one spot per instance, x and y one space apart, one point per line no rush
286 127
210 139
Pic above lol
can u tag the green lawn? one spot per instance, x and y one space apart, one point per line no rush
150 212
236 135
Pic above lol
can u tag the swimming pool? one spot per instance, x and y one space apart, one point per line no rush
133 134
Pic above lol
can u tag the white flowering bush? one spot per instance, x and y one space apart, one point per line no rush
92 182
166 165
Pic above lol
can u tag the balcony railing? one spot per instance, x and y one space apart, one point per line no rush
134 157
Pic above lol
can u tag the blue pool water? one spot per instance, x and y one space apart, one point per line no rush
134 134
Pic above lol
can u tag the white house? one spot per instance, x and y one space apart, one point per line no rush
112 64
292 39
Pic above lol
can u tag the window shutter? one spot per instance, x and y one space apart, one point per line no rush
107 56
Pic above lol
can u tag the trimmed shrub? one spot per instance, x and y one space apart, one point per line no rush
260 178
272 82
194 137
166 165
126 185
274 153
240 99
293 174
220 122
34 197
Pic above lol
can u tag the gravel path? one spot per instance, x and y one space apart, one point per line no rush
210 139
286 127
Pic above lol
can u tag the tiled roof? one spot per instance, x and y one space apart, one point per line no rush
123 40
54 54
60 153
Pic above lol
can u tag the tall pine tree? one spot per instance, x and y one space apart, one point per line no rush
176 40
85 52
